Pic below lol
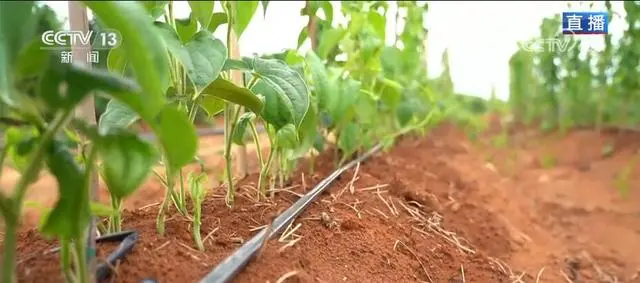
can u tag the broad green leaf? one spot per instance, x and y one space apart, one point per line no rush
348 139
101 210
242 14
342 106
15 31
234 64
117 60
264 7
155 8
17 27
239 132
330 40
79 82
307 132
390 92
203 57
228 91
143 46
208 56
286 94
302 36
127 161
378 23
19 143
217 19
186 28
203 11
32 59
177 135
211 104
287 137
324 89
117 115
328 10
71 214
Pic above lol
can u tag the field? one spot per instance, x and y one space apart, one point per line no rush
439 207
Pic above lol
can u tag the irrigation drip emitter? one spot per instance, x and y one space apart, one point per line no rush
232 265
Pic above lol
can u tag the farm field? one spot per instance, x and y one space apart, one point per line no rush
439 205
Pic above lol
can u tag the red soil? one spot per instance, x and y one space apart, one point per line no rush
453 211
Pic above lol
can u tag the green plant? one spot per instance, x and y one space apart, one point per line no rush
43 130
198 194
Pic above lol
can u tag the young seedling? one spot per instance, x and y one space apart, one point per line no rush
198 194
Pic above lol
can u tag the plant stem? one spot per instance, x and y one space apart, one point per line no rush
183 195
256 140
65 260
265 170
9 254
81 252
228 108
14 206
196 223
165 202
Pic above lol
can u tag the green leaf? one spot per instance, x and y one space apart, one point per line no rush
217 20
19 143
203 11
302 36
203 57
17 27
224 89
330 40
234 64
116 116
287 137
324 90
328 10
71 214
378 23
177 135
211 104
390 92
127 161
286 94
154 8
264 8
143 46
208 56
307 132
117 60
15 31
186 28
242 14
78 82
343 104
348 140
240 130
32 60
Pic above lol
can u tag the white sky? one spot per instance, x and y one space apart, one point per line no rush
481 36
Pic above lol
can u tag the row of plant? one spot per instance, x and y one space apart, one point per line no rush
581 86
350 91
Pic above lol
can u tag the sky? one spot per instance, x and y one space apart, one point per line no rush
480 36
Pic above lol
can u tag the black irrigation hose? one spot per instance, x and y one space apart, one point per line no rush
232 265
128 239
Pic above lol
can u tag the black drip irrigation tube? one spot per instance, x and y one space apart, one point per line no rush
232 265
127 240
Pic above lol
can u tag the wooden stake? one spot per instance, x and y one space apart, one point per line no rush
242 166
79 22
